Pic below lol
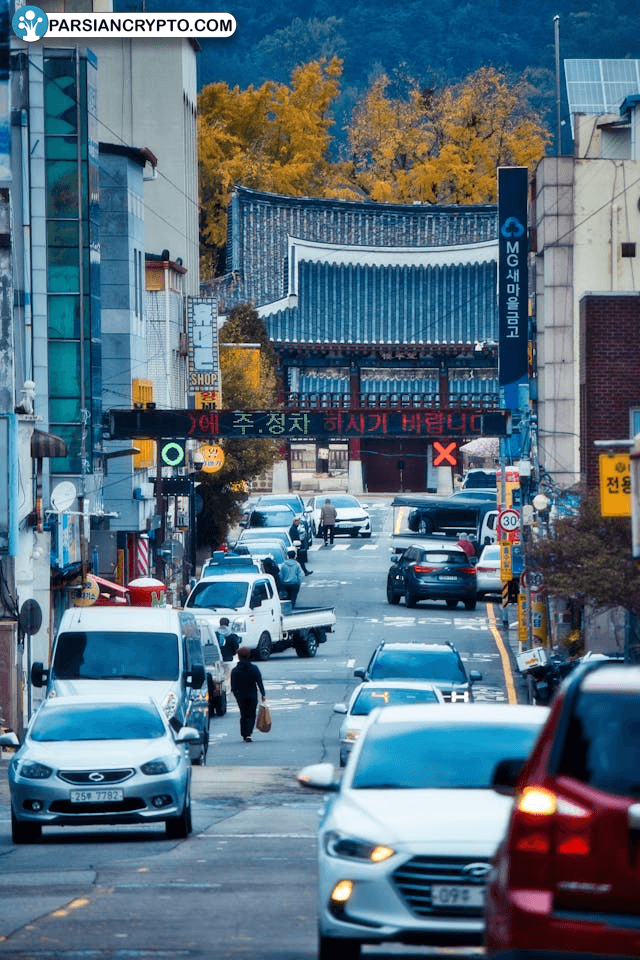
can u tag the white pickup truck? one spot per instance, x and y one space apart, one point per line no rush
264 622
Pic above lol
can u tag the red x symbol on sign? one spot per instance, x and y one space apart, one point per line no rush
444 454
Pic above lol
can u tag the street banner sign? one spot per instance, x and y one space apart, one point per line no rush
426 424
615 484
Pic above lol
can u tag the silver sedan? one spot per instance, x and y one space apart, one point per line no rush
86 761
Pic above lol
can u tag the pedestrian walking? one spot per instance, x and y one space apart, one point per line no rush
298 535
291 575
246 681
229 644
328 517
271 567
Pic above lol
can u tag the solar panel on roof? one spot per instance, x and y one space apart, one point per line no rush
597 87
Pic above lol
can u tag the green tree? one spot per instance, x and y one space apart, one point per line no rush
249 382
587 559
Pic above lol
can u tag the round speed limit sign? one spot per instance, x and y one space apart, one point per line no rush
509 520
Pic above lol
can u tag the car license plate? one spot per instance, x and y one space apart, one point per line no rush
451 895
448 578
96 796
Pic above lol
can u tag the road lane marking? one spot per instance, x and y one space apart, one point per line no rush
504 656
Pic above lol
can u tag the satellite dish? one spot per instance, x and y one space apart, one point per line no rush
30 618
63 496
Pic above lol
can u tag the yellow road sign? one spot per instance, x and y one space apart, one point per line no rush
615 484
212 457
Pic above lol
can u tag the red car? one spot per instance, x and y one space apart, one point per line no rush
566 876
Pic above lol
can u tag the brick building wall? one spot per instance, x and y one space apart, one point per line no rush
609 372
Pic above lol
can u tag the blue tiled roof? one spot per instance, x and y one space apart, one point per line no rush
364 272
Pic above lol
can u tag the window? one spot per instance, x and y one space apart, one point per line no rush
627 249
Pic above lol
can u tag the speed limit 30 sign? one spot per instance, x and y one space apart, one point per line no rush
509 523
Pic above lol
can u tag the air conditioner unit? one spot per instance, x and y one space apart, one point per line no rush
144 492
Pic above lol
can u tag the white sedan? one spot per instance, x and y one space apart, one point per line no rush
406 840
488 570
352 516
382 693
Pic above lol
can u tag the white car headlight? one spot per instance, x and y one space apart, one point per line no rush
153 768
353 848
170 705
239 625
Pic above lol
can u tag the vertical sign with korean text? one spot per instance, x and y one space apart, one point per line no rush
204 354
615 484
513 291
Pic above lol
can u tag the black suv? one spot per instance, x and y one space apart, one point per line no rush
438 571
439 663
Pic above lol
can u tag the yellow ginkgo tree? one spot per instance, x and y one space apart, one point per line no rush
274 137
443 146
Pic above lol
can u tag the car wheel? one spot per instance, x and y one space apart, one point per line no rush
179 828
451 604
334 948
392 596
201 759
365 536
470 604
308 646
425 525
22 832
411 599
264 648
221 704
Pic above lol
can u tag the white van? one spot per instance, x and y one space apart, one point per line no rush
137 652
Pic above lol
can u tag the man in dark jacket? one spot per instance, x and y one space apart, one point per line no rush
246 680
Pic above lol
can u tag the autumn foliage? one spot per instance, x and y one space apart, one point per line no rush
403 143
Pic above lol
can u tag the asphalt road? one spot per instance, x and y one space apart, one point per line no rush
243 885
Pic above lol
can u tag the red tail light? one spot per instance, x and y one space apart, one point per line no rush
417 569
545 825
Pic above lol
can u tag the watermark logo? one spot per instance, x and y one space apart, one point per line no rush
30 23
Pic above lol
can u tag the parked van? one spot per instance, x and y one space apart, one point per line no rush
136 651
446 515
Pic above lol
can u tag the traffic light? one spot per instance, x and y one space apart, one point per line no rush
173 453
445 454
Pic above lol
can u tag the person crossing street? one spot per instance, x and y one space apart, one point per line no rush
328 517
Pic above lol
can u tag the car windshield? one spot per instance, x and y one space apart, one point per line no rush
271 518
419 665
447 757
211 594
346 502
602 743
106 721
456 558
116 655
368 699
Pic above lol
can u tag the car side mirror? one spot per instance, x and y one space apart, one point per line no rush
474 675
9 740
39 676
359 673
196 678
505 775
319 776
339 708
187 735
255 602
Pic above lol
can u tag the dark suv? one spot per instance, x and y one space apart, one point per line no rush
566 876
438 571
440 663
